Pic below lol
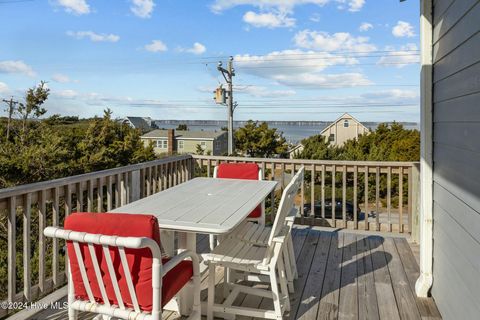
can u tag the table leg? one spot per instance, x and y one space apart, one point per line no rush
186 241
167 239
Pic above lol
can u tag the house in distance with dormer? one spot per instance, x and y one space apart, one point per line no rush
344 128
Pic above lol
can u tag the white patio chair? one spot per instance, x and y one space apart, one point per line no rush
122 277
262 260
249 171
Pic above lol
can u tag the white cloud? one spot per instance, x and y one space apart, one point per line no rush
394 96
156 46
408 54
4 88
263 92
197 48
288 68
95 37
75 6
365 27
319 40
283 5
324 81
268 20
403 29
60 78
11 66
142 8
67 94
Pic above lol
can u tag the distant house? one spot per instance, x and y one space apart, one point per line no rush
344 128
178 141
145 124
295 151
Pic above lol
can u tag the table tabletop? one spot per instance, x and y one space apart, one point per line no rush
203 205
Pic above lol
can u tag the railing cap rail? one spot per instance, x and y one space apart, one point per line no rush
38 186
310 162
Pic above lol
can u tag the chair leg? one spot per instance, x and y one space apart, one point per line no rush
212 242
283 283
276 294
211 290
72 314
291 255
288 269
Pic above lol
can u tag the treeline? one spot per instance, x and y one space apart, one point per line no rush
387 143
34 149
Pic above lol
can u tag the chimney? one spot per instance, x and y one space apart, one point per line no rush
171 141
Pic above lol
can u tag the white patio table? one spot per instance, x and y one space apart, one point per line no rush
201 205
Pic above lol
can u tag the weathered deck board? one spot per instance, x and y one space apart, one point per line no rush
342 275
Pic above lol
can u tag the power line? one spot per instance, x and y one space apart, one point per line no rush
327 65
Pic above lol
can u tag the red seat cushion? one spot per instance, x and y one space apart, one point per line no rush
139 260
247 171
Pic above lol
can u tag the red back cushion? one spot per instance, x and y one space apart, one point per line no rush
139 260
247 171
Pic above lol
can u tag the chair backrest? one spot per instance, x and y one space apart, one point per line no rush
112 272
248 171
286 204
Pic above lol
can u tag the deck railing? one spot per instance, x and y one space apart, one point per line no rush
26 210
34 271
385 193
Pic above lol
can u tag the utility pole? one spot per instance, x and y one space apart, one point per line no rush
11 108
228 74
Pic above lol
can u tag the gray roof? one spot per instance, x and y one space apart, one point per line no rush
179 134
139 123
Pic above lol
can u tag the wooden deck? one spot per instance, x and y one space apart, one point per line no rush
342 275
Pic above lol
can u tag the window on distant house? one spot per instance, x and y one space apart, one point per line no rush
180 144
203 144
162 144
218 144
345 123
331 137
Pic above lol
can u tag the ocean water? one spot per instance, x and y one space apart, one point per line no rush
293 132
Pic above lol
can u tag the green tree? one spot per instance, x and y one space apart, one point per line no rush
32 107
258 140
182 127
199 150
316 147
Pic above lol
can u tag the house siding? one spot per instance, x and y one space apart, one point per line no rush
343 134
456 157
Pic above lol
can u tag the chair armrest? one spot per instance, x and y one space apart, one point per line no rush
280 238
179 258
292 215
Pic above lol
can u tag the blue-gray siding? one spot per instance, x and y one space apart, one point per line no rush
456 95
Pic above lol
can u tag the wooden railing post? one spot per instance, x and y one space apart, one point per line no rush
414 197
134 185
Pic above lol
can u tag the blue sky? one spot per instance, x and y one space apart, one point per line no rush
294 59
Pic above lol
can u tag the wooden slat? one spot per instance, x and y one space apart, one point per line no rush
377 198
403 293
42 219
344 196
366 198
323 191
426 306
118 191
383 284
100 195
312 195
27 213
329 304
348 305
367 297
400 201
89 195
312 292
109 193
355 197
79 197
55 223
389 198
334 180
303 264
